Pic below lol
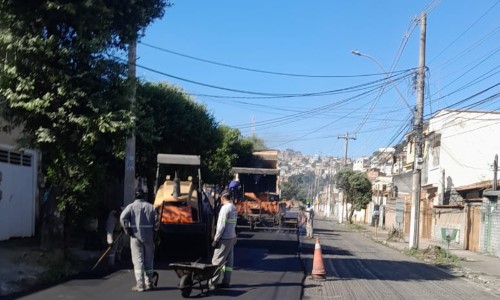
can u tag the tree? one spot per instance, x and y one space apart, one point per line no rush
232 150
356 187
59 83
257 143
361 192
170 121
297 186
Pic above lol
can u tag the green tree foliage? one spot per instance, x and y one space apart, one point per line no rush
357 189
258 143
232 150
361 190
59 84
169 121
297 187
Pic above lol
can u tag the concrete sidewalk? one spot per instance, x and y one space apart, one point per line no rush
482 269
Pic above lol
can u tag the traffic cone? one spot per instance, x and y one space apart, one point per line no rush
318 270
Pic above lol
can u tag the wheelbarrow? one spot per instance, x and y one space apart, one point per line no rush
193 273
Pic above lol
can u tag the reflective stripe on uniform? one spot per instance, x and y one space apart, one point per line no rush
228 269
231 221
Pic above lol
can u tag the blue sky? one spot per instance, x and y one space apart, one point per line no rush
315 38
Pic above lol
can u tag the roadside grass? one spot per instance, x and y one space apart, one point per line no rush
434 254
355 227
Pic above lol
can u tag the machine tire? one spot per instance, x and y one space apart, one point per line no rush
186 285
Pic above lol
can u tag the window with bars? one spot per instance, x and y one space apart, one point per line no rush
16 158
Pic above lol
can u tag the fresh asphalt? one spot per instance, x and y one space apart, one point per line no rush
267 266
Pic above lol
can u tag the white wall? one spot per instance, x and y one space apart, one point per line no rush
468 147
359 164
18 186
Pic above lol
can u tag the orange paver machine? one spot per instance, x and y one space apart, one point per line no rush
259 205
183 231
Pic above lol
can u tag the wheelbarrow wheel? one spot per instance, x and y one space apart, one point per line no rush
186 285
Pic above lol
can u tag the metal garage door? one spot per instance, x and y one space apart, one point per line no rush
17 197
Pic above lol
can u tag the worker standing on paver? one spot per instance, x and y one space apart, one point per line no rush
139 219
224 240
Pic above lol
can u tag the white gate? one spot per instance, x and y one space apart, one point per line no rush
18 182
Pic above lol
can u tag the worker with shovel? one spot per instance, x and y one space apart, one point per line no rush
114 236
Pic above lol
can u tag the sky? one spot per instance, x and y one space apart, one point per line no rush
285 71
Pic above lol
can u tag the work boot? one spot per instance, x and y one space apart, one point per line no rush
155 278
137 289
149 287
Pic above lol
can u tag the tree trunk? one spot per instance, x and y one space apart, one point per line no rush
351 213
52 231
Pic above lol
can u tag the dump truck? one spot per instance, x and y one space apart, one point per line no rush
259 205
258 210
183 232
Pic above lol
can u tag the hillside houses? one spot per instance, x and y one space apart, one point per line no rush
457 196
456 174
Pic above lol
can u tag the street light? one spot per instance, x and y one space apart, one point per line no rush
418 128
356 52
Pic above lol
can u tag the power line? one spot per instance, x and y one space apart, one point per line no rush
359 87
470 48
467 108
487 56
258 93
466 30
472 96
464 132
309 113
252 69
313 112
432 6
475 81
404 127
311 132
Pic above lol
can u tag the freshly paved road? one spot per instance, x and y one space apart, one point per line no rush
267 266
359 268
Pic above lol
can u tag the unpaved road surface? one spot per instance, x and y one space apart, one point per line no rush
359 268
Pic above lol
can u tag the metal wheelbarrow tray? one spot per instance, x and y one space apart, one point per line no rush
192 273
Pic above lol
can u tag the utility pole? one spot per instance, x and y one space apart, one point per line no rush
329 191
418 128
495 171
129 176
346 138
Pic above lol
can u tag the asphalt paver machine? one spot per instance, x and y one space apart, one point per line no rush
184 233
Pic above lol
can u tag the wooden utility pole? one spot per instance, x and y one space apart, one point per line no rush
346 137
129 176
418 129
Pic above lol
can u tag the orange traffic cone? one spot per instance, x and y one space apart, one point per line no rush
318 271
